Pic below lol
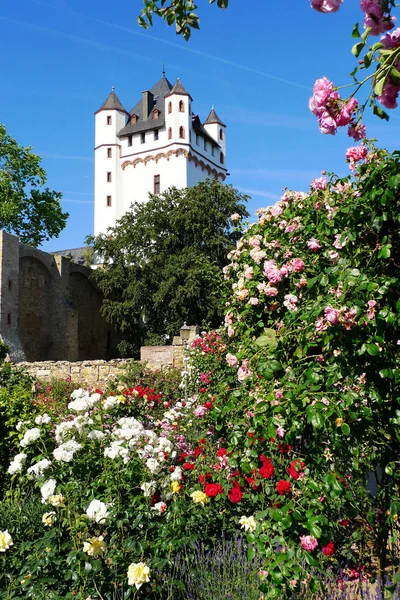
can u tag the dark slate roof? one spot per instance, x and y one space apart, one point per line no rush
179 89
159 92
213 118
201 130
111 103
76 255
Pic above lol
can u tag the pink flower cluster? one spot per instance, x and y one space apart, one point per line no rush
244 371
326 6
308 542
333 316
355 154
375 17
333 112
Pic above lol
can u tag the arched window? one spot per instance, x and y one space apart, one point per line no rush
181 106
170 133
182 132
155 114
169 107
221 158
221 134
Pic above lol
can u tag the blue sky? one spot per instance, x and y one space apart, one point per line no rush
257 67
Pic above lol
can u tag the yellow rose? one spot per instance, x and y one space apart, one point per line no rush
56 500
199 497
138 574
121 399
175 487
49 518
338 422
248 523
95 546
5 541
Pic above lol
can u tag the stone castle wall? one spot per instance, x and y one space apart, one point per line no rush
87 372
49 307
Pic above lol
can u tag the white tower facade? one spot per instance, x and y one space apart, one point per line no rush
159 144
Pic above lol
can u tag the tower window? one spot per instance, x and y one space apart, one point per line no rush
221 134
205 145
182 132
108 201
170 133
9 284
156 184
133 118
143 138
109 120
155 135
109 177
213 150
221 158
197 139
9 319
109 152
155 114
129 140
169 108
181 106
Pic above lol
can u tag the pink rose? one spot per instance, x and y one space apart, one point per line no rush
314 245
200 411
297 264
243 371
331 315
326 6
308 542
321 183
231 360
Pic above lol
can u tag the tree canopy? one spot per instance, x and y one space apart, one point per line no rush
162 262
27 209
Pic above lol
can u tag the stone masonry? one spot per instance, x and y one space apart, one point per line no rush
49 308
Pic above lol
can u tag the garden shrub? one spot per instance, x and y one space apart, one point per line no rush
295 405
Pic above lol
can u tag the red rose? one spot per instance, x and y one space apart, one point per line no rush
296 468
202 441
188 467
213 489
344 522
198 451
202 390
284 448
267 470
208 404
221 452
235 494
183 456
283 487
171 469
203 478
329 549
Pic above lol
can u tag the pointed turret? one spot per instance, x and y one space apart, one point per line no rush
112 102
213 118
179 90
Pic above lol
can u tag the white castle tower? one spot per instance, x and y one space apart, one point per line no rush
160 143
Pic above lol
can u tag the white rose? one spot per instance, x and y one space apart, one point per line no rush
97 511
47 489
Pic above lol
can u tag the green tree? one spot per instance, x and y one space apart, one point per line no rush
162 262
26 209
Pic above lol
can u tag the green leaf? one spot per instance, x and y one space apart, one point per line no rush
345 429
356 32
372 349
251 552
357 48
315 530
384 252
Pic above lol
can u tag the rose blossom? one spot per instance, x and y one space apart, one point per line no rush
231 360
283 487
329 549
326 6
314 245
243 371
331 315
297 265
213 489
200 411
308 542
321 183
280 431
